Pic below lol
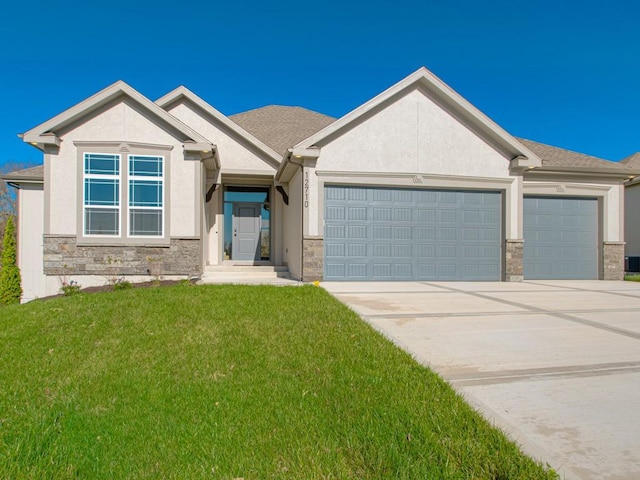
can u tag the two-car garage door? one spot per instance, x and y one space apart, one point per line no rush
381 233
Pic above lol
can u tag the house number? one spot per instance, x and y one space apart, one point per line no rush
306 189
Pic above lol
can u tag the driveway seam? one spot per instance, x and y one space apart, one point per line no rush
391 316
611 292
553 313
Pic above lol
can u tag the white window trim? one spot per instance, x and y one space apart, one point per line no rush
131 178
100 176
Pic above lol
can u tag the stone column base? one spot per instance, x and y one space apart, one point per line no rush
312 259
513 261
613 261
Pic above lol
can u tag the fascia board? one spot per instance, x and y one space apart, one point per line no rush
22 178
608 172
426 80
101 98
184 92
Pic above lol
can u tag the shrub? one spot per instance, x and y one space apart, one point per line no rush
10 288
122 285
70 288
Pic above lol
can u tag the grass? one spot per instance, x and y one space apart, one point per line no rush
228 382
635 277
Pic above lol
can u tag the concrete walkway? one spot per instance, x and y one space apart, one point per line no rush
556 364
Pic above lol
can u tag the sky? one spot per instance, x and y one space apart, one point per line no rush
566 73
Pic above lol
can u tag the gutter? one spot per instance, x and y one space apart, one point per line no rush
609 171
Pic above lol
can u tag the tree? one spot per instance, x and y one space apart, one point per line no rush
8 194
10 281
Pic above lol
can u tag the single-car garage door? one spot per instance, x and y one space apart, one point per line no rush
379 233
560 238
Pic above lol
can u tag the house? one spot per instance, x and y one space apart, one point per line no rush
631 217
416 183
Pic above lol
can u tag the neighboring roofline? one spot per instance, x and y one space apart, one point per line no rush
16 180
44 134
632 181
441 91
184 92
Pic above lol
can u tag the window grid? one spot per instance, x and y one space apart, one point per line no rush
101 194
146 196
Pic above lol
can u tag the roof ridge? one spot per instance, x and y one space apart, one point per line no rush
282 106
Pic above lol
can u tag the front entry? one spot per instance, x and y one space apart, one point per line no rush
247 222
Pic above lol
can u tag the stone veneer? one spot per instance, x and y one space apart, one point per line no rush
63 256
613 261
513 261
312 259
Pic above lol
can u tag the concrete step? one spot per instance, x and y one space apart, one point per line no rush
249 280
246 268
239 272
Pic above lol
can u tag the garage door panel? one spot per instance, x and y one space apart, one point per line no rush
357 214
560 238
412 234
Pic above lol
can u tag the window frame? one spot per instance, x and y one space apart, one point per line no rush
124 150
132 178
101 176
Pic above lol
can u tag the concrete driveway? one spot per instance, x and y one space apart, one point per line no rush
556 364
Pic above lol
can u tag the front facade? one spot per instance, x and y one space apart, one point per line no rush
416 184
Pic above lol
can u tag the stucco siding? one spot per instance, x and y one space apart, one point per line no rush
235 154
292 228
632 220
413 134
30 237
120 122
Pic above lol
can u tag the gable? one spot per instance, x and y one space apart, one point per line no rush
235 152
48 133
411 133
121 120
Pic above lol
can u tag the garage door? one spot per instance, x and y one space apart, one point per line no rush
377 233
560 238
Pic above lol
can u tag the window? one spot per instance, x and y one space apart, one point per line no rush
146 186
101 194
143 195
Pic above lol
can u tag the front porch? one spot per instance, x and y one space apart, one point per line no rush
243 225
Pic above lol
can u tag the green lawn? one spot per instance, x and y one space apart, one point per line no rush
635 277
225 382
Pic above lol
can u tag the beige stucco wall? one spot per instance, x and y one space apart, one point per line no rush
235 154
632 220
292 228
412 142
30 230
120 122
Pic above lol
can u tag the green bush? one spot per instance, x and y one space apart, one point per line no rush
10 288
122 285
71 288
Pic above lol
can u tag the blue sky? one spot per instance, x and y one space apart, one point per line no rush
559 72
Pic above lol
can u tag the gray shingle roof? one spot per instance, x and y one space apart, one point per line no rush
281 127
35 173
560 157
632 160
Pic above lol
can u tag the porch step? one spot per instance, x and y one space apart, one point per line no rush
247 274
